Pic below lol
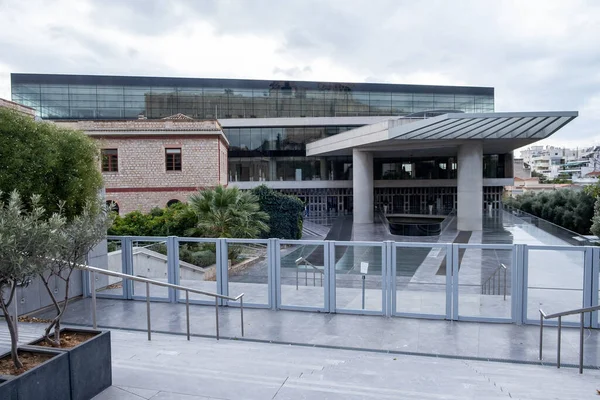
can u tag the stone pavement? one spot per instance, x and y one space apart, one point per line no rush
171 368
375 333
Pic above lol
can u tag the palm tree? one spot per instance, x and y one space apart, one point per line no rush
228 213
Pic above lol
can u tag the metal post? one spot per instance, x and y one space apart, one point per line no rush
314 277
498 284
16 301
93 289
242 314
504 284
558 347
363 292
297 267
217 315
581 344
305 275
541 332
187 312
148 308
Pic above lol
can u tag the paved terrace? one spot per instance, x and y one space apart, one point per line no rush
171 368
484 341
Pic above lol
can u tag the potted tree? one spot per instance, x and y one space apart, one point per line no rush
88 350
26 240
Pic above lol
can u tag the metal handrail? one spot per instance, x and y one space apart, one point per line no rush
571 234
490 286
314 268
94 270
559 315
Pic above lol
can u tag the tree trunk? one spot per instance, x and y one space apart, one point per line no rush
11 327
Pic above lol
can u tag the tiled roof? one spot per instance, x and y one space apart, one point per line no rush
179 117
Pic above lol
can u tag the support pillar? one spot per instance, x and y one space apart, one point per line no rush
362 186
323 169
470 186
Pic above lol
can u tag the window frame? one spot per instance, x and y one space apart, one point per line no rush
171 165
110 158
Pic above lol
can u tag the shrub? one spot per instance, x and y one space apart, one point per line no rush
567 208
61 165
175 220
285 213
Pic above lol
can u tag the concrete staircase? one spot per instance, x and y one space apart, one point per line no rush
170 367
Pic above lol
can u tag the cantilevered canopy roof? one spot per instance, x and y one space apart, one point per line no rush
500 132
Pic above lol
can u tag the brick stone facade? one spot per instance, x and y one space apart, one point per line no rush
142 180
17 107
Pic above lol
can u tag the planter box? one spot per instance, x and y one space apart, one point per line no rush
48 381
8 389
90 365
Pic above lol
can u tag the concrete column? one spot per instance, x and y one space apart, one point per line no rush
323 169
272 176
470 186
362 186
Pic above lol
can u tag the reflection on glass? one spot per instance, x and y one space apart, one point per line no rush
287 99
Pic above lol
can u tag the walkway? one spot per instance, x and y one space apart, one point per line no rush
396 335
171 368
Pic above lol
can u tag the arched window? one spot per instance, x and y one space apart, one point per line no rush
171 202
114 207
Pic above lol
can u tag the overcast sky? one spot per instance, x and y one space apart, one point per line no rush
539 55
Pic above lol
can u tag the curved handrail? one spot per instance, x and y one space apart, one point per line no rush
489 284
158 283
307 263
570 312
148 282
559 315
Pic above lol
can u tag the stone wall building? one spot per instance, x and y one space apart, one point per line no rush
17 107
153 163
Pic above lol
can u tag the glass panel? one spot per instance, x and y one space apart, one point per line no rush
249 271
357 289
483 282
554 282
150 261
109 285
302 275
421 280
197 269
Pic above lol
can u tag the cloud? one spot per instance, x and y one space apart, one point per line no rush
538 54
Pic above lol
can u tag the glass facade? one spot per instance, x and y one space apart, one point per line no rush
264 153
494 166
113 97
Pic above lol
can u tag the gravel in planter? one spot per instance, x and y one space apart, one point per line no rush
48 380
89 360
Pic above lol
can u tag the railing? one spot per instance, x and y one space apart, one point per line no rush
493 283
188 290
572 238
303 261
581 312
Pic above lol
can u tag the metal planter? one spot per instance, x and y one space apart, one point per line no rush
90 368
49 381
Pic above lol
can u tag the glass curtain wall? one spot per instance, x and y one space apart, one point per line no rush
494 166
277 99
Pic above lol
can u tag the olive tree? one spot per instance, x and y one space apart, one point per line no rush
73 241
26 242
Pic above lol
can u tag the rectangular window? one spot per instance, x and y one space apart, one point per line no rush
173 159
110 160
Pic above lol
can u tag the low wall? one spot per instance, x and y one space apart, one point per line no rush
151 264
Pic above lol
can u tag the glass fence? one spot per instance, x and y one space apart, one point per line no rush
475 282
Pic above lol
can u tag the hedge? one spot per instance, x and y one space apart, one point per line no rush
285 212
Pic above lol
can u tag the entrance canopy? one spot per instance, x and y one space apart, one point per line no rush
500 133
